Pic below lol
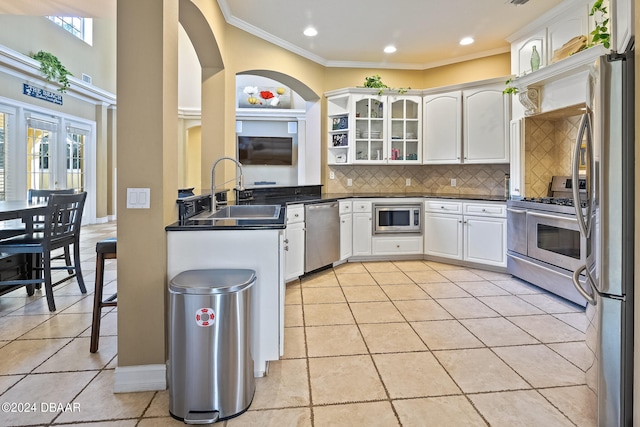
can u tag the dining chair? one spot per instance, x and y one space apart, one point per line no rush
61 228
42 196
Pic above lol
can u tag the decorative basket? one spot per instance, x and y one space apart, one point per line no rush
574 45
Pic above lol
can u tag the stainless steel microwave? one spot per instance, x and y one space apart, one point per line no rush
397 218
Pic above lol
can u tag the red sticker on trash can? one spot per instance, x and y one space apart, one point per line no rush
205 317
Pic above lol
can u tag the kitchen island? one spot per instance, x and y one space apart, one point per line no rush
255 244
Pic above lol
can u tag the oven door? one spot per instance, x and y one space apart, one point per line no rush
556 239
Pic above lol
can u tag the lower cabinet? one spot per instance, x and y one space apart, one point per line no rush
397 245
346 236
362 227
443 235
485 240
294 239
476 232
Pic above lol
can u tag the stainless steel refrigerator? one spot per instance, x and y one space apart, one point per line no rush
605 148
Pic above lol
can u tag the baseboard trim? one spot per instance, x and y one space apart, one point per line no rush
130 379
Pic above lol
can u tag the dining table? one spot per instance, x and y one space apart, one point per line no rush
22 210
16 218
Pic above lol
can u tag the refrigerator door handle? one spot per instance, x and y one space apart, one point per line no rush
591 299
584 222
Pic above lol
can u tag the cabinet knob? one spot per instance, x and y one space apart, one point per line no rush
286 240
286 247
296 215
459 222
517 190
398 246
441 207
484 210
343 221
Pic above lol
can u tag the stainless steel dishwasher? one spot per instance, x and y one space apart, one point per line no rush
322 243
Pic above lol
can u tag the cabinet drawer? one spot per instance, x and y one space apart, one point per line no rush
361 206
444 206
295 213
397 245
485 209
345 207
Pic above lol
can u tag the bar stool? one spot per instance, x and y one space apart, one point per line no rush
105 249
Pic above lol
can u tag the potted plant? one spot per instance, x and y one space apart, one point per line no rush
52 69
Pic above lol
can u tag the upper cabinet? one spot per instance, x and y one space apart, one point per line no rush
485 115
366 127
443 128
470 125
622 13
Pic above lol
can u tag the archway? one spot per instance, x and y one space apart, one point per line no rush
308 125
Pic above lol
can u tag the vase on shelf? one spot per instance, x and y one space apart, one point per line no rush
535 59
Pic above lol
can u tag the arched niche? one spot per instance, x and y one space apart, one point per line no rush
307 117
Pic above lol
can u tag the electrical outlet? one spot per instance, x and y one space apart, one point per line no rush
349 182
332 175
453 182
408 182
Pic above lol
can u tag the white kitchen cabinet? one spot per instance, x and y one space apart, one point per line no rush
405 129
346 230
516 154
548 33
294 240
468 231
485 240
443 128
362 228
443 235
467 125
623 27
396 245
367 127
485 113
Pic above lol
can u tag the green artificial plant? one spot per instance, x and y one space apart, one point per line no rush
375 82
510 89
52 69
600 33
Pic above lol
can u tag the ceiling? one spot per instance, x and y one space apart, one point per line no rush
353 33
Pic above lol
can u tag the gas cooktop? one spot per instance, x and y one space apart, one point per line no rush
562 201
549 204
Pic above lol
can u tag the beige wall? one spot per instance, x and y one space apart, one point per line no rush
147 157
29 34
468 71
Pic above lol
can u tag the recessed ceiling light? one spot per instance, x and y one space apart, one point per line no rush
310 32
390 49
465 41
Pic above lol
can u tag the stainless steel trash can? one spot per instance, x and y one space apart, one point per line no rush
210 362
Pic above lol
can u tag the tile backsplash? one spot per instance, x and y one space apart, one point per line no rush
470 179
548 151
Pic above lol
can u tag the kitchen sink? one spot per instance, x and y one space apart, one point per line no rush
247 212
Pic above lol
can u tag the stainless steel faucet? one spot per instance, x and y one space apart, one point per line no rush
240 180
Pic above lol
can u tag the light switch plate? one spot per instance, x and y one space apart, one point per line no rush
453 182
138 198
349 182
408 182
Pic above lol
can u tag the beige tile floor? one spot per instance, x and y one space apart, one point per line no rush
411 343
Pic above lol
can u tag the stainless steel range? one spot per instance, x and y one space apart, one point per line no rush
544 244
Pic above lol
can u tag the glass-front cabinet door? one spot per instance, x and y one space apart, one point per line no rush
370 130
405 129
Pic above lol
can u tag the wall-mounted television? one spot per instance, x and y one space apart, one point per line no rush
265 150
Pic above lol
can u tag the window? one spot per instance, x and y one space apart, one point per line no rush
82 28
75 158
40 135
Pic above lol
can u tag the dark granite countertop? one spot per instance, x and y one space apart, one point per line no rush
280 223
195 224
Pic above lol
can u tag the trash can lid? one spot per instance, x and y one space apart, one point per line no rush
212 281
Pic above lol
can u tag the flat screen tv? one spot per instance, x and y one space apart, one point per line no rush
265 150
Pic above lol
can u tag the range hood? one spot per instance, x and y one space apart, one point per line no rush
559 85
